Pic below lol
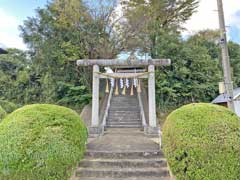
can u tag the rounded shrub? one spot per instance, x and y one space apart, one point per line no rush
202 141
2 113
39 142
8 106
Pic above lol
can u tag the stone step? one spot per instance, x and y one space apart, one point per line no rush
124 117
122 131
122 172
114 101
124 155
125 100
123 120
131 101
123 126
129 178
121 111
137 117
128 111
118 117
125 133
124 105
125 97
110 124
123 108
123 163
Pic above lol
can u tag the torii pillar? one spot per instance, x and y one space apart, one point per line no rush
96 127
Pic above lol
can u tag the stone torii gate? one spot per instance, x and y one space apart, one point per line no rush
129 63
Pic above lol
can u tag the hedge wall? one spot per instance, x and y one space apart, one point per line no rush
202 141
39 142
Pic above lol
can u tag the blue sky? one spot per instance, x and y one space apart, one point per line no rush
14 12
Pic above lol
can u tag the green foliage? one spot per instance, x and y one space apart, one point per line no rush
8 106
70 95
142 30
41 142
67 30
3 113
193 75
59 34
12 67
202 141
234 53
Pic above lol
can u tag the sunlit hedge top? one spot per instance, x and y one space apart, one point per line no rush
202 141
41 142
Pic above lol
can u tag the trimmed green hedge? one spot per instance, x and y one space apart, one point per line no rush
8 106
202 141
39 142
2 113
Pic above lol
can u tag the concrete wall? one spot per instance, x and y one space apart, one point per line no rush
86 114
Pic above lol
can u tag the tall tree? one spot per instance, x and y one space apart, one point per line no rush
63 31
234 53
192 76
146 18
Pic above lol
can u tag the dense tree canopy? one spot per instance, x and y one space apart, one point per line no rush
193 75
64 31
146 18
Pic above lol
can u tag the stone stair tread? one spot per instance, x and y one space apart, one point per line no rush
123 163
124 154
124 116
125 160
124 121
118 124
123 126
129 178
145 169
124 112
122 172
124 109
128 151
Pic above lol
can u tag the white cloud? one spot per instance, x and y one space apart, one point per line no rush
9 33
207 15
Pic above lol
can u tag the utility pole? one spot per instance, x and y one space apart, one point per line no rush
225 57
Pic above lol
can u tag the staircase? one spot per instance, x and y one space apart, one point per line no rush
124 151
123 154
124 112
